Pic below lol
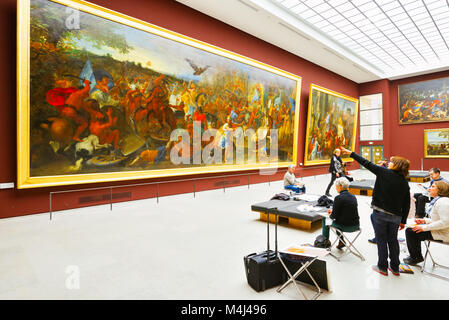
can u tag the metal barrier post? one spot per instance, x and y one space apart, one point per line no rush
111 197
194 188
157 192
51 209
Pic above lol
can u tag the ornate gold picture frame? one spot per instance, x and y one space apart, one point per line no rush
423 101
331 123
105 97
436 143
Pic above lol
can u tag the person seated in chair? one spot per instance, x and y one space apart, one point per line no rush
290 182
344 212
422 199
434 228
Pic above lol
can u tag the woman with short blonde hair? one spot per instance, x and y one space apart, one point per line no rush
443 188
336 170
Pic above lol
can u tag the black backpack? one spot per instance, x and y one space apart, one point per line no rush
324 201
322 242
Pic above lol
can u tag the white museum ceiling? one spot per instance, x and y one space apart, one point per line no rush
362 40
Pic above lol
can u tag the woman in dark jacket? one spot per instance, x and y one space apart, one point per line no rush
336 170
390 204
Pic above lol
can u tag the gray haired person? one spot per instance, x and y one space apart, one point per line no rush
290 182
344 213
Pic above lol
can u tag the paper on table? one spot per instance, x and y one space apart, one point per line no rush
308 208
305 251
411 223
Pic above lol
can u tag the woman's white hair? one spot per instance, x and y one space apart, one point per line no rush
342 182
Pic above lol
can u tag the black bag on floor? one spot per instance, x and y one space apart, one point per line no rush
321 242
264 270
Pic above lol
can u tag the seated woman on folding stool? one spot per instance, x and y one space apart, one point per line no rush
434 228
290 182
344 212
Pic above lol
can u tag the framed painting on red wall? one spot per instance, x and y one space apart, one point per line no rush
424 101
331 123
436 143
105 97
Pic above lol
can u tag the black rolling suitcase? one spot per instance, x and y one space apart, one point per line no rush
264 270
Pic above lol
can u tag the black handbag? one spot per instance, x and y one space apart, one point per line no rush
324 201
322 242
281 196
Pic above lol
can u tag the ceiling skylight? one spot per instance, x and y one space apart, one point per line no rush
391 35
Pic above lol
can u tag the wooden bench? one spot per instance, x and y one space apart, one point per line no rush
287 211
362 187
418 176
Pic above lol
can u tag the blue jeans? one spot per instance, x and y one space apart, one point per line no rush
386 228
295 188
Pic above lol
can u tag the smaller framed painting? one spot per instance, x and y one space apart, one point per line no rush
436 143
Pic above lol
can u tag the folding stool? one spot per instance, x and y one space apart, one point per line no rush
350 247
428 254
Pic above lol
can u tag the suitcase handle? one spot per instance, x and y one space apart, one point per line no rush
267 211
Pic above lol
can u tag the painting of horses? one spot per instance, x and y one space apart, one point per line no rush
331 123
105 97
424 101
436 143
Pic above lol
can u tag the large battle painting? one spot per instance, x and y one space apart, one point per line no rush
107 96
426 101
331 123
436 143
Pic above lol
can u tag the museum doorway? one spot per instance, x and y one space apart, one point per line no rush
372 153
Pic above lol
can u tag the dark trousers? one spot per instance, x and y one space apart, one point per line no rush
334 177
421 201
414 242
386 228
325 228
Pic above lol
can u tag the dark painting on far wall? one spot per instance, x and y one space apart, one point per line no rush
425 101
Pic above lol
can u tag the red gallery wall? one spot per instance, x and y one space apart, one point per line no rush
176 17
405 140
